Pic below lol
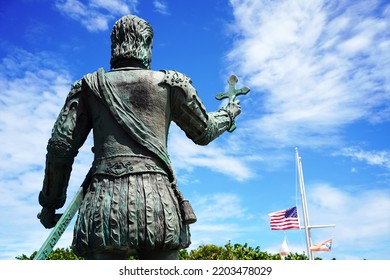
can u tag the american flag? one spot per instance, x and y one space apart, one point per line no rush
284 219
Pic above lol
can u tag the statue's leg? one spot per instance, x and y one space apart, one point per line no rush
159 255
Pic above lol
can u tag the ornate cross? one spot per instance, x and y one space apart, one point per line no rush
232 93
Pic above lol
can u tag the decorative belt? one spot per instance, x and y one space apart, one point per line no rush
124 165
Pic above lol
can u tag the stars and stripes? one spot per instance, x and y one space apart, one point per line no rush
284 219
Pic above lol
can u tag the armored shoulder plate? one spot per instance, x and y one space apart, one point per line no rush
76 88
176 79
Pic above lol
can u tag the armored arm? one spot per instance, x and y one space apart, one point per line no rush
189 113
219 122
69 133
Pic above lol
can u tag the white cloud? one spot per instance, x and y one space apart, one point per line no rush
218 217
223 206
375 158
29 105
161 7
186 155
314 67
362 218
113 6
96 14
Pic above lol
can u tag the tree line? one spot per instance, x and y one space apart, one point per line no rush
204 252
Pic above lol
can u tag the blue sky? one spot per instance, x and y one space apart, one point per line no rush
319 73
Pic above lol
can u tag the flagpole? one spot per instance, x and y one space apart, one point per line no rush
319 226
304 205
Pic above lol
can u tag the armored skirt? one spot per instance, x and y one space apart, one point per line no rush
129 213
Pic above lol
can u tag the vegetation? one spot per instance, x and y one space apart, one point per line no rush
204 252
57 254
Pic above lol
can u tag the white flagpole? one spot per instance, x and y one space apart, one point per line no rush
304 205
319 226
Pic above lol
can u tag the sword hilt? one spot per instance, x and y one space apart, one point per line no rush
60 226
56 218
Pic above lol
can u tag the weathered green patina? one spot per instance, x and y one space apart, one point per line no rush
232 93
131 203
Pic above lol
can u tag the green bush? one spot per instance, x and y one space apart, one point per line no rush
227 252
204 252
57 254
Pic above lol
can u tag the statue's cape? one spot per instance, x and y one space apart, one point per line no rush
102 88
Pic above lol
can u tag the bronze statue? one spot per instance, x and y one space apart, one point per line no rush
131 204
